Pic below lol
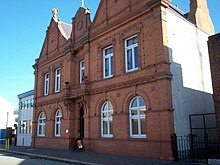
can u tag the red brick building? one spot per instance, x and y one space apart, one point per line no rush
214 53
107 81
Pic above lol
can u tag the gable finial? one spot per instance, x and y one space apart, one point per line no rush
54 13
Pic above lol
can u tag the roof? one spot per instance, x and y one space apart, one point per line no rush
65 29
25 94
178 11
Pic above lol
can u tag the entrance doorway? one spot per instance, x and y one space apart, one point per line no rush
81 123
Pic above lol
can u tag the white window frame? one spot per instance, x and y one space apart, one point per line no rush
109 57
46 84
107 119
23 127
138 116
41 124
57 80
58 118
82 71
131 47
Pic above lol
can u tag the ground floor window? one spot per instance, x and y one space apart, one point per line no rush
58 118
41 124
137 111
106 119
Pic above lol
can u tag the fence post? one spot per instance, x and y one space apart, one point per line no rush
206 147
174 146
192 153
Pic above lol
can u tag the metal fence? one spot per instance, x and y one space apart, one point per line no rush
193 148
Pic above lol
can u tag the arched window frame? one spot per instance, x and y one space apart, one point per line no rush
137 113
41 124
58 118
106 118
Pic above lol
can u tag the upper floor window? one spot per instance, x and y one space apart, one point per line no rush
58 118
41 124
137 111
82 70
46 83
57 80
131 54
108 62
106 119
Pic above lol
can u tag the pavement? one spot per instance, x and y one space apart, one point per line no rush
88 158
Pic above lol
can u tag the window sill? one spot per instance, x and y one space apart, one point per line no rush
132 70
138 137
107 137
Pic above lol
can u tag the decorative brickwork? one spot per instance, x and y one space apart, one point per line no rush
136 30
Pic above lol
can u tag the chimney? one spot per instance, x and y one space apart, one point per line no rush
199 15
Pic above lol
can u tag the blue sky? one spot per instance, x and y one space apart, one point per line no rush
23 26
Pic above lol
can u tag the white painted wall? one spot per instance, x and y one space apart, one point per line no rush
191 82
24 139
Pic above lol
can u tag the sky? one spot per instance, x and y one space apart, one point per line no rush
23 26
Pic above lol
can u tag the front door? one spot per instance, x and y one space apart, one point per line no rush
81 123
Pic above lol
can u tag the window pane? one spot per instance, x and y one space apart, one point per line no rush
134 40
110 106
107 67
136 56
108 51
143 126
141 101
57 129
110 127
43 129
134 103
129 42
142 111
134 112
40 129
104 115
112 65
105 108
129 59
105 127
134 126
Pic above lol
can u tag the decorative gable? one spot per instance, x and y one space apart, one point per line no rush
111 13
57 35
80 26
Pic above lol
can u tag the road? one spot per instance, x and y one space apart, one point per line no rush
15 159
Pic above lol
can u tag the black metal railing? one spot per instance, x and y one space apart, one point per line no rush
194 148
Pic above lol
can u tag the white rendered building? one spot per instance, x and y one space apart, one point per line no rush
190 67
25 116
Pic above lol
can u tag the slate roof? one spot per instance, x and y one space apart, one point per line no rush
65 29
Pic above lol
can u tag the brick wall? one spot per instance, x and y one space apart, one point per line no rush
214 54
151 81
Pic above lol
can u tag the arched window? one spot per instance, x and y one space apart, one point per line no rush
106 119
137 111
41 124
58 118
